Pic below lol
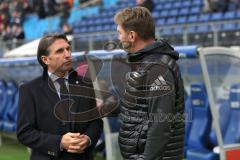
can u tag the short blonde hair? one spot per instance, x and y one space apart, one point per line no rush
136 19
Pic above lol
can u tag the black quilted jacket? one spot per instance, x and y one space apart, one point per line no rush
151 114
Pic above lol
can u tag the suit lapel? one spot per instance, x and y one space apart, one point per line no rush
50 91
74 81
53 98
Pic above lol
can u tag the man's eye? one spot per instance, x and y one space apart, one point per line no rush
60 50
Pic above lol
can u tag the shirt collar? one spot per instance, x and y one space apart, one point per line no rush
54 77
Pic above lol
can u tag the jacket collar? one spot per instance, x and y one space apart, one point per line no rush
72 75
158 47
49 87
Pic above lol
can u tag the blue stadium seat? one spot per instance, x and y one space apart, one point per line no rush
76 30
160 22
78 14
201 125
9 125
106 27
178 31
89 21
113 27
170 21
103 13
122 5
177 4
181 20
217 16
197 2
238 14
98 20
201 122
203 29
195 10
10 92
91 29
109 3
99 28
80 23
191 29
229 113
155 14
113 8
223 109
2 92
12 112
229 15
228 27
173 12
204 17
183 11
167 5
158 7
29 27
3 101
232 134
186 3
104 20
109 20
167 32
193 19
106 13
164 13
238 26
83 29
131 3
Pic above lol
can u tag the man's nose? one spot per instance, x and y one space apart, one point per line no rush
67 53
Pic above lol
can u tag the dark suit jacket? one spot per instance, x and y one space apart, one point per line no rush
40 129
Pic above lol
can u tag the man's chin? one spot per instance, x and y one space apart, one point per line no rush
64 69
67 65
67 68
128 50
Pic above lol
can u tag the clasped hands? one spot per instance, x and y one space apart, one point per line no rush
74 142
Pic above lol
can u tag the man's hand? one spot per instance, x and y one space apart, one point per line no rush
81 146
99 102
70 139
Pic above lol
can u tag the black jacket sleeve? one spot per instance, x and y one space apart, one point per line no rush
27 132
95 127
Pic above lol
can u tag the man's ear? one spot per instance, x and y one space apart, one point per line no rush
45 59
132 36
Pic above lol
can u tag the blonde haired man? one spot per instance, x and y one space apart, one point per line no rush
152 125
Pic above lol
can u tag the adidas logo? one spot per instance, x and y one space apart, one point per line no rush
160 85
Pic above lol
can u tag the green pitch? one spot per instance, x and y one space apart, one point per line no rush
12 150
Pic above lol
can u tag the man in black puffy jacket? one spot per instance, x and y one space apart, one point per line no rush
152 106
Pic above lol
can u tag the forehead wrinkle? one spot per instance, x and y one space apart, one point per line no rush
56 47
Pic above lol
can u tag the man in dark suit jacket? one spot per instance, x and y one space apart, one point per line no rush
46 115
